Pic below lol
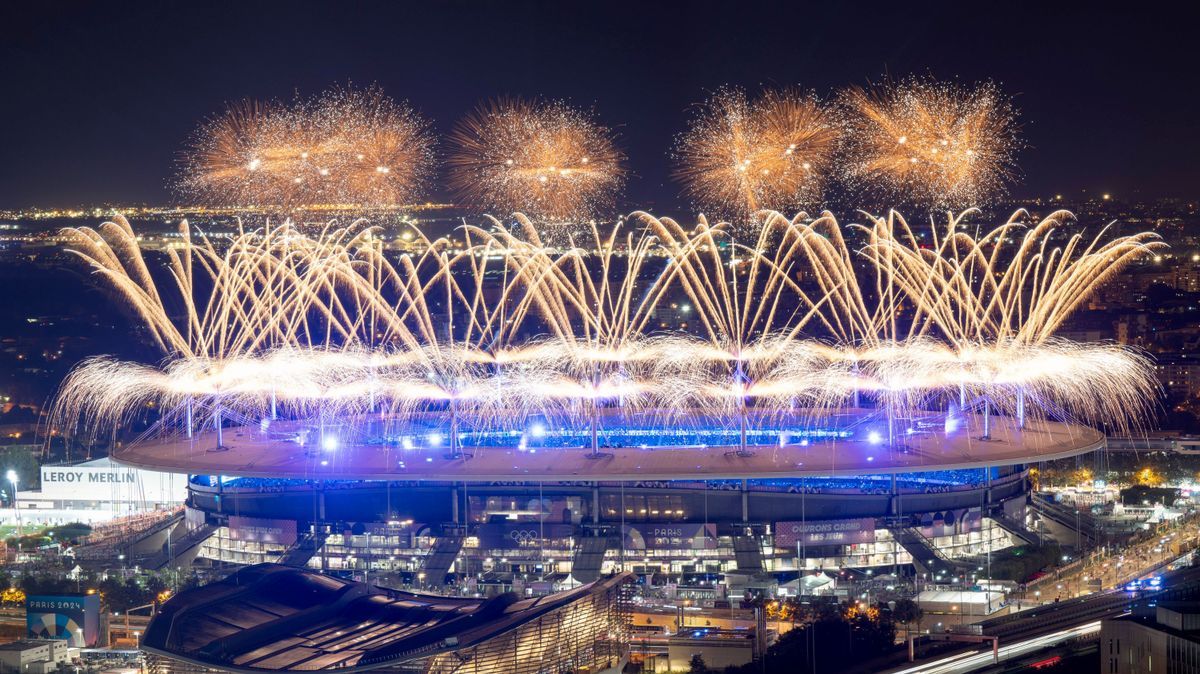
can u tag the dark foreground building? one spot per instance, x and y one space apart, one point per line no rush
272 618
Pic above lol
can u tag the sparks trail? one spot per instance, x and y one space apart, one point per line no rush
327 327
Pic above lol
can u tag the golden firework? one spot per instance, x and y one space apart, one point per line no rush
741 156
329 324
344 148
937 144
544 158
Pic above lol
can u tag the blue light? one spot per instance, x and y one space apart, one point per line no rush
538 430
874 437
434 439
406 442
951 424
329 443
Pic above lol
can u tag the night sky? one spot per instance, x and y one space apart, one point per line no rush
99 98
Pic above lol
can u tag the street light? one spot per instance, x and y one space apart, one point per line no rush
12 477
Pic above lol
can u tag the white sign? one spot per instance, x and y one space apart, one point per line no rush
102 480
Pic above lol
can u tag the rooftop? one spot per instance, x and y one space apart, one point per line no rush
252 451
276 618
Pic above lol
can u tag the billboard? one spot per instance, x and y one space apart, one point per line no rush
75 618
514 535
825 532
951 522
103 480
669 536
262 530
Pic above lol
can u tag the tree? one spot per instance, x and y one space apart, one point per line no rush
697 666
906 612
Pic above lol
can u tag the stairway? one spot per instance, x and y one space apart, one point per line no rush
303 550
441 558
589 556
926 558
748 554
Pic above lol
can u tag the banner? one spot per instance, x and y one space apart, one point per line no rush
669 536
262 530
75 618
951 522
825 532
514 535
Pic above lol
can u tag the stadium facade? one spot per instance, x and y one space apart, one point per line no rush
710 520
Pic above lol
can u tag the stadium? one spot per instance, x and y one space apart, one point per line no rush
506 514
496 415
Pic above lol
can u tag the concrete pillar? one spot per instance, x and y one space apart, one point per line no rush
745 502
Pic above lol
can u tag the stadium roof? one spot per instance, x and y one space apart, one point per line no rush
270 617
250 452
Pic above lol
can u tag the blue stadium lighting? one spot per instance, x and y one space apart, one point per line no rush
538 430
874 437
407 443
434 439
329 443
951 424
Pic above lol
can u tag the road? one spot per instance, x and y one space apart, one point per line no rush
962 663
1052 624
1114 570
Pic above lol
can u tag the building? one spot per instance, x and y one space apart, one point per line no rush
271 618
1166 638
97 491
34 656
1179 374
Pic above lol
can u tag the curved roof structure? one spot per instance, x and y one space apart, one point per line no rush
273 618
252 451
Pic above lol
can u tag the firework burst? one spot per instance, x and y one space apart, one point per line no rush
546 159
328 325
774 152
346 147
937 144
